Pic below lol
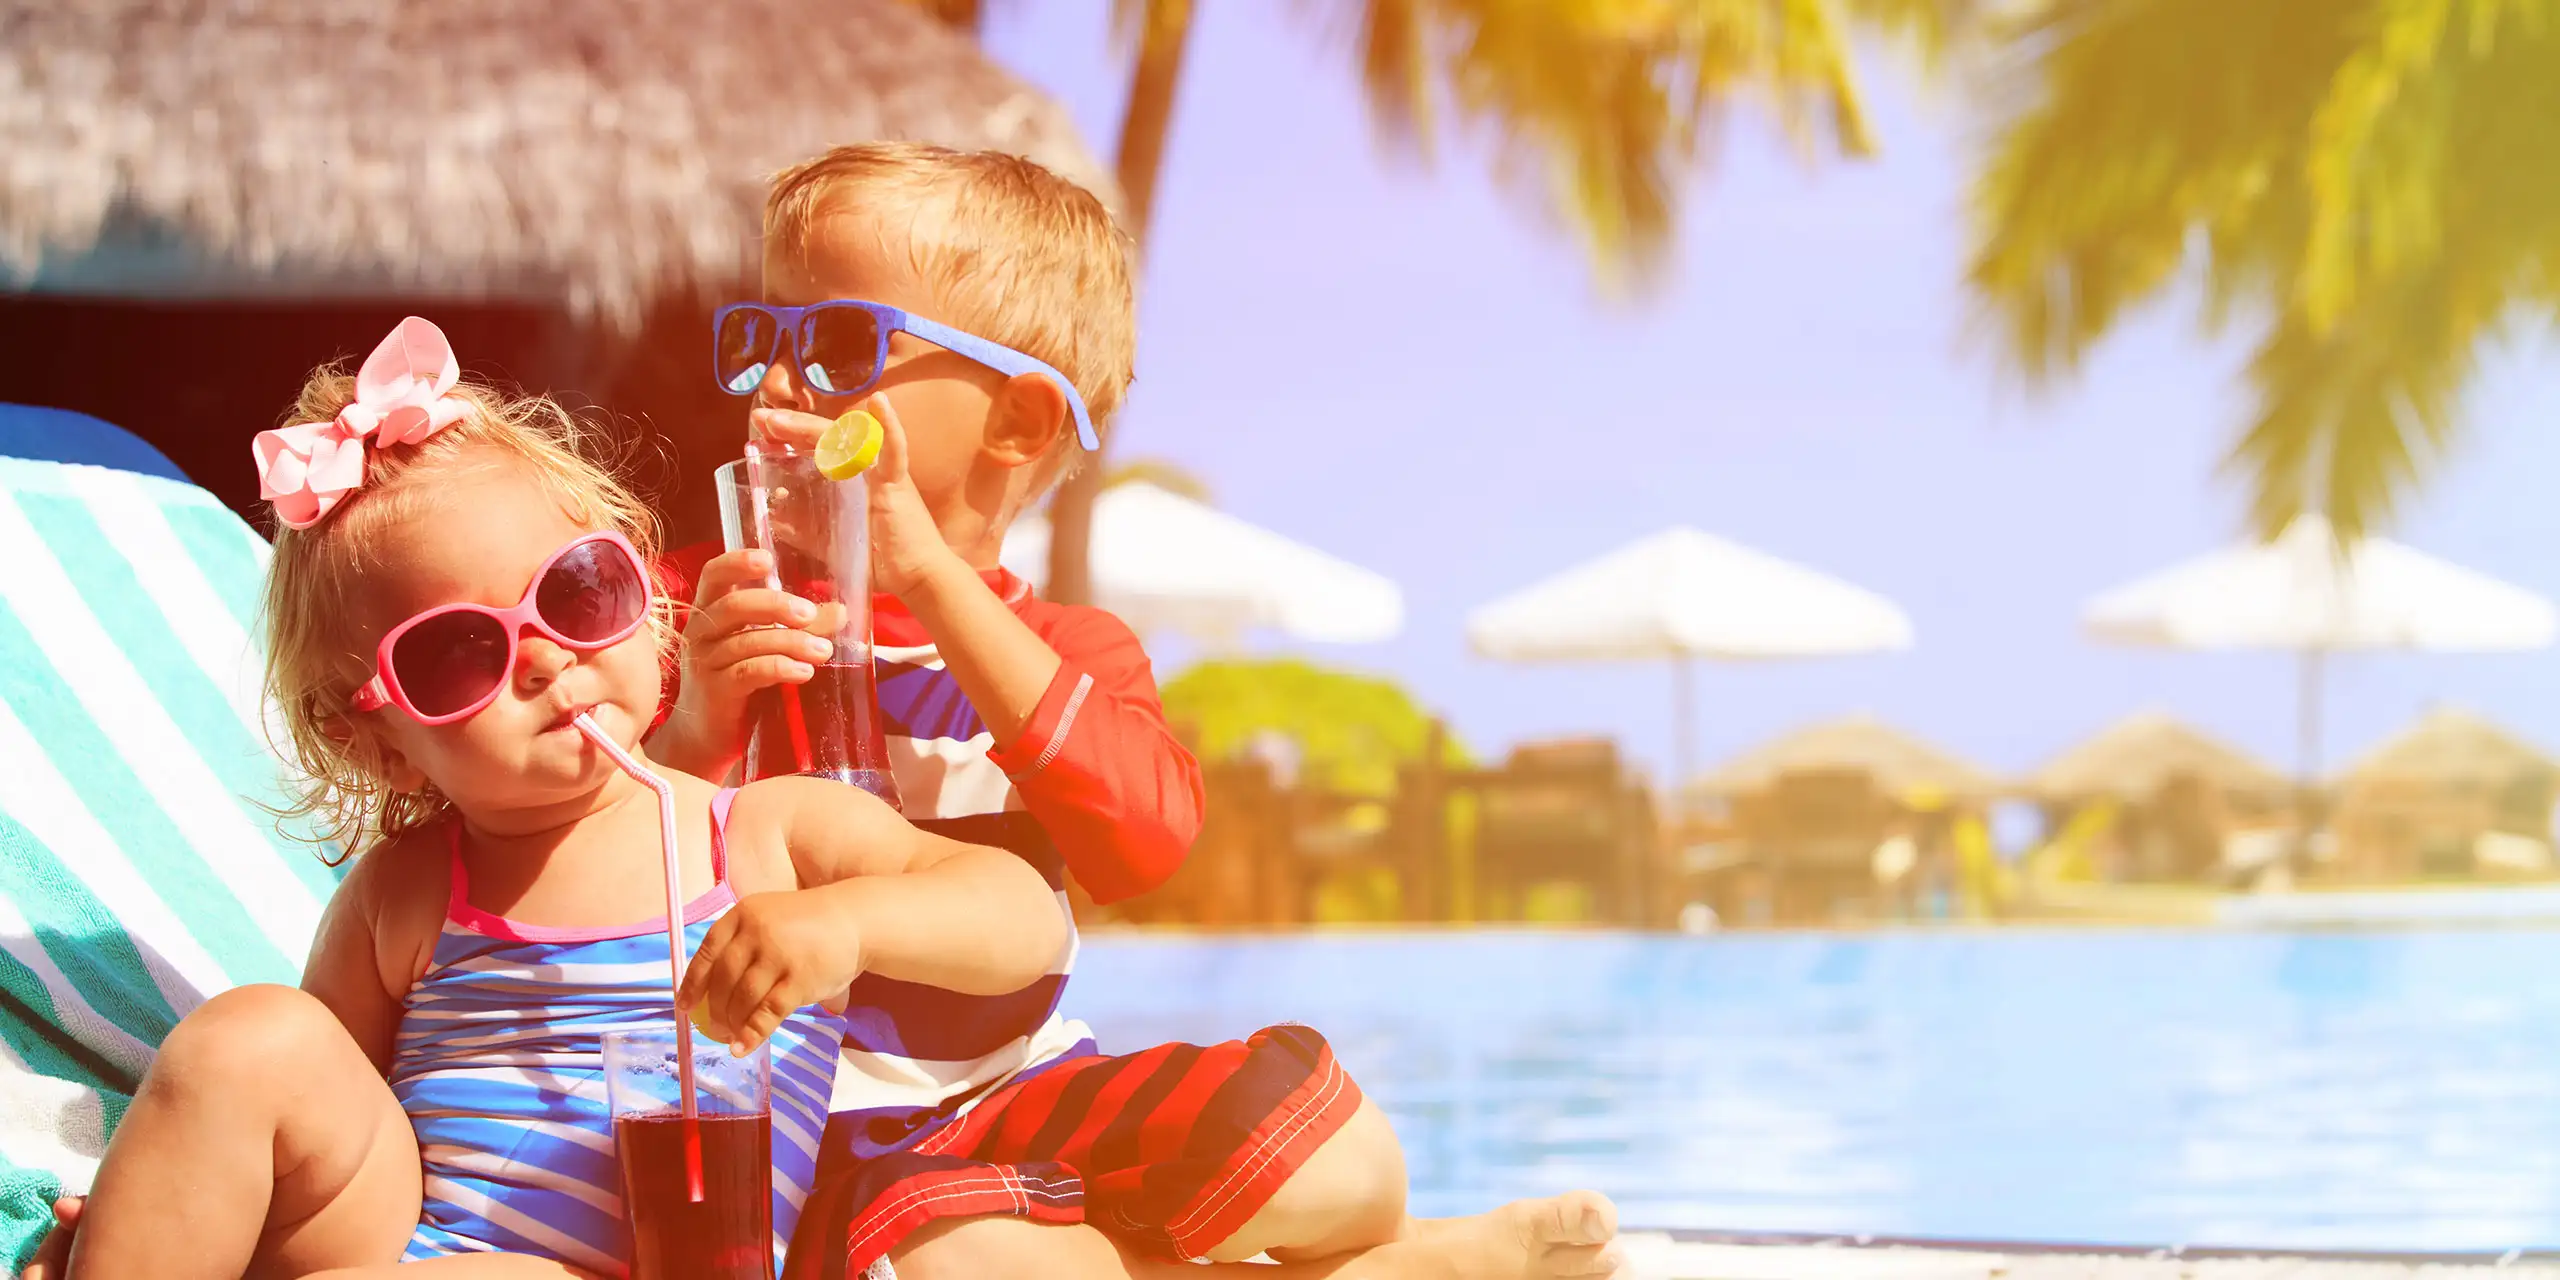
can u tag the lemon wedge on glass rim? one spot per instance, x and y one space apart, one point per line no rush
849 445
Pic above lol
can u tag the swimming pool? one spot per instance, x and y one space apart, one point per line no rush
2393 1091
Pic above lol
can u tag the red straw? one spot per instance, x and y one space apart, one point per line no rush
675 936
795 723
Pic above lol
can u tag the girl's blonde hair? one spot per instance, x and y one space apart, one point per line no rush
316 661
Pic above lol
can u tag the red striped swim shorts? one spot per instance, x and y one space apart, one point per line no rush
1169 1150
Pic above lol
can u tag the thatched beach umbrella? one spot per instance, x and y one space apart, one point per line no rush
1899 763
2134 757
583 173
2452 747
2434 797
589 153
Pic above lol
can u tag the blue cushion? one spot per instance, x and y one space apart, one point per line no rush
59 435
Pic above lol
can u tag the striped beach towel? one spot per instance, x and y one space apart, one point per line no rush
140 872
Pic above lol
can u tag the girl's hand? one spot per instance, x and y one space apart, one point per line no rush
53 1256
772 954
906 545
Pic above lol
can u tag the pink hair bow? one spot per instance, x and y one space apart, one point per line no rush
307 468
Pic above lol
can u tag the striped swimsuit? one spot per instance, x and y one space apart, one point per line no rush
499 1063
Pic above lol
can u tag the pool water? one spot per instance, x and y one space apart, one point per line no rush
2394 1091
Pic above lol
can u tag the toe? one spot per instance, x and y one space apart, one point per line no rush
1584 1262
1588 1218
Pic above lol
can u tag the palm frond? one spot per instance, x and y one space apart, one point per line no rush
1604 108
1936 29
2375 182
1395 71
2130 133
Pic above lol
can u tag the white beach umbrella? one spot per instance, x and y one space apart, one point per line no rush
2305 594
1680 595
1166 563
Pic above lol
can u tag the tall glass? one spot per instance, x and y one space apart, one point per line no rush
726 1233
819 533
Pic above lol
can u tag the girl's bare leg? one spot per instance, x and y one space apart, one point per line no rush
262 1143
463 1266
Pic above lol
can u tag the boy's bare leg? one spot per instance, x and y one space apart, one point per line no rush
1341 1216
1530 1240
1350 1194
1570 1235
1349 1197
261 1143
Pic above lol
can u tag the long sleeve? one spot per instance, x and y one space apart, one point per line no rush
1099 767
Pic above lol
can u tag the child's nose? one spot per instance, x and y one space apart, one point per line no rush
539 661
783 389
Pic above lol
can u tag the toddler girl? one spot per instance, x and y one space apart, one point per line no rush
452 586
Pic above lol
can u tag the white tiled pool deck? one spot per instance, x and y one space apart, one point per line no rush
1660 1257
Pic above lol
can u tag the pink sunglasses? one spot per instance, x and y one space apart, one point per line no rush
450 662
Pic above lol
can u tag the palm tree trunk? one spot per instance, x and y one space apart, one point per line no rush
1144 126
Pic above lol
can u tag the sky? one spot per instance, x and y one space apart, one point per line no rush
1413 370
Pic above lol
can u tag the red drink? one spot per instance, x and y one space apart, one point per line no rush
827 728
729 1235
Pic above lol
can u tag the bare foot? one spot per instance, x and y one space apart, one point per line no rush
1568 1237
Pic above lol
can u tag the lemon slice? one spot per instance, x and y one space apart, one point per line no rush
849 446
702 1017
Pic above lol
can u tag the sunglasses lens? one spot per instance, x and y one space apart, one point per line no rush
842 354
450 661
592 593
743 349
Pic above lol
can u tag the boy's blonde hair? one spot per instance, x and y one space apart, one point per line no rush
1017 254
316 662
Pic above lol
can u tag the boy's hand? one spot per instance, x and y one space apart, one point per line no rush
744 636
906 545
772 954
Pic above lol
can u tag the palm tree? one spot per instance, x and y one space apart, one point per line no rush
2372 185
1605 107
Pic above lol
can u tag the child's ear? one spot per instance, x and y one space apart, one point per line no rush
1027 419
359 740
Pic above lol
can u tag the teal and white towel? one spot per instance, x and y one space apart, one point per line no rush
140 869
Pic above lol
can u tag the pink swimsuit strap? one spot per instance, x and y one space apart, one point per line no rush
458 909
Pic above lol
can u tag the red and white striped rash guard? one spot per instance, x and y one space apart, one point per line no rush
1115 795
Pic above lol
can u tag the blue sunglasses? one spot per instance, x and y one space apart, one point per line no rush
843 346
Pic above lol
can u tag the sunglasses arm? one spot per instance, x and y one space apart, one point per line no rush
1004 360
372 697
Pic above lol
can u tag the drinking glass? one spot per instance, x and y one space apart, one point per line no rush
697 1191
819 534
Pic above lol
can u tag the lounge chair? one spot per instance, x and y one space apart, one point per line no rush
141 868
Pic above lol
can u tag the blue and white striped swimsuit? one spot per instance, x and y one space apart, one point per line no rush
500 1065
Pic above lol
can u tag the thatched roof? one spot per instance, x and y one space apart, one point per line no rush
2453 747
2131 758
1898 762
586 152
